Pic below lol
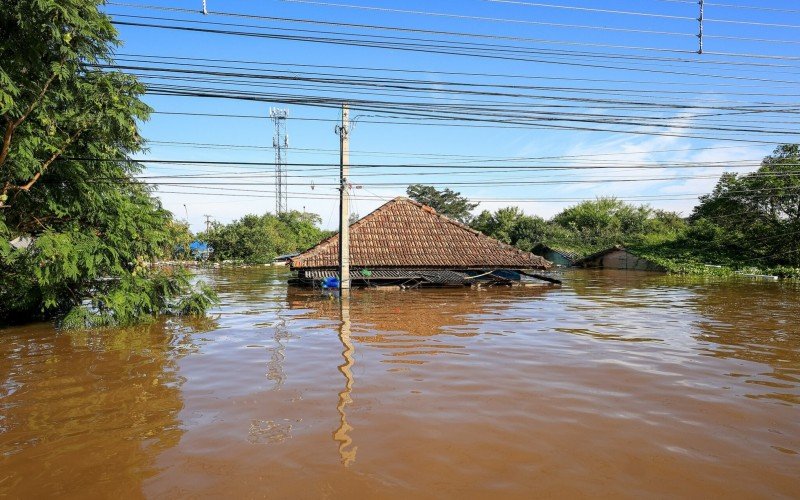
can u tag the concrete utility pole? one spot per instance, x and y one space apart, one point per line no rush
208 223
280 142
205 10
344 199
700 20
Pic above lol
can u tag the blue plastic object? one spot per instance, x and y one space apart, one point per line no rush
330 282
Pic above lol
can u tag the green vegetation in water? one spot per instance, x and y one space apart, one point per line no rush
78 232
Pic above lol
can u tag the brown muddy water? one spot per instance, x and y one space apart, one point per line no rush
615 385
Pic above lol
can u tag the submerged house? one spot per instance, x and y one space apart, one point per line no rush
405 243
283 260
618 257
559 257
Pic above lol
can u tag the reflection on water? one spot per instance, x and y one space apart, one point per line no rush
89 410
275 370
616 384
341 435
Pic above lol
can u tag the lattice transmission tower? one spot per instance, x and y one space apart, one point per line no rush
281 144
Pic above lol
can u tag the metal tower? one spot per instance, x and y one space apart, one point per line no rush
280 143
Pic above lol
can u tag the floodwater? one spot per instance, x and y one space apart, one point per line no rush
617 384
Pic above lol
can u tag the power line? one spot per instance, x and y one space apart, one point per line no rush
262 73
427 71
522 181
473 45
407 84
422 111
473 157
652 165
588 9
751 23
523 21
435 47
727 121
660 16
405 11
751 7
723 119
221 191
530 103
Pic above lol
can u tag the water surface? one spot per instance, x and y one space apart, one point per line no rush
618 384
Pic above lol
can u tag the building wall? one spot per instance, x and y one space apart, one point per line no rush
621 259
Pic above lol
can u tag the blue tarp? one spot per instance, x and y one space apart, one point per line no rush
198 246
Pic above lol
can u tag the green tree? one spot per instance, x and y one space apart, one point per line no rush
758 214
446 202
605 222
583 228
258 239
66 182
511 225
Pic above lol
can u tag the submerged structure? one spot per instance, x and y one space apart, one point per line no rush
618 257
558 256
404 243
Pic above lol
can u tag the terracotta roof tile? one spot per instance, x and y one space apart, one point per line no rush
404 233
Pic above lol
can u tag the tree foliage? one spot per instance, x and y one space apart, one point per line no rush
446 202
754 216
747 221
511 225
258 239
67 184
583 228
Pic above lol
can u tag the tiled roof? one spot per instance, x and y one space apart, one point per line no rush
404 233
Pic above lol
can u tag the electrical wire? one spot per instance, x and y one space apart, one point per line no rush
591 9
473 45
592 156
435 47
427 71
473 119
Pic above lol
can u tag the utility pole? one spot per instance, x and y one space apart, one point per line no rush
205 10
700 20
208 223
343 131
280 142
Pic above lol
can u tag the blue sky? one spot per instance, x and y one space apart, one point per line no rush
769 80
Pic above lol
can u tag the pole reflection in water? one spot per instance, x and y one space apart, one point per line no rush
347 451
275 371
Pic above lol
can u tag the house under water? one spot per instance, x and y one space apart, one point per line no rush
407 244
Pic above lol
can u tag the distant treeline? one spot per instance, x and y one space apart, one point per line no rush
258 239
747 221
